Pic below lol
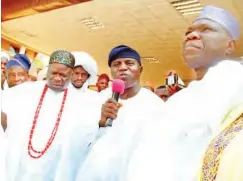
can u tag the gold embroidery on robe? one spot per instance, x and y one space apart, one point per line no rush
216 148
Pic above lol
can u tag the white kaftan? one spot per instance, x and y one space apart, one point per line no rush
78 128
110 153
191 119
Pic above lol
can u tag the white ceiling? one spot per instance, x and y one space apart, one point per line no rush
153 27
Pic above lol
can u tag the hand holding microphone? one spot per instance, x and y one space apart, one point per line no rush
110 108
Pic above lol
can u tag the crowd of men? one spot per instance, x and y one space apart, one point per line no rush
55 129
19 69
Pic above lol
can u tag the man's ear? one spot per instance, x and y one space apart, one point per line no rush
230 47
141 69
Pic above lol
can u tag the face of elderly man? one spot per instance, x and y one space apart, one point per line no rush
205 42
17 75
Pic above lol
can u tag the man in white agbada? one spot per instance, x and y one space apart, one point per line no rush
110 153
85 71
192 116
4 60
48 129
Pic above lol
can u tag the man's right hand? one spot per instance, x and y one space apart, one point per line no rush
109 110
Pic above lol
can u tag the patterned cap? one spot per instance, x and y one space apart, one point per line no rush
62 57
223 18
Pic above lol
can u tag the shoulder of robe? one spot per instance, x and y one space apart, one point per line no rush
89 101
105 95
27 86
23 88
226 68
151 99
88 94
91 92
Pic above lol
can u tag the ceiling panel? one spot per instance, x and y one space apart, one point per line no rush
153 27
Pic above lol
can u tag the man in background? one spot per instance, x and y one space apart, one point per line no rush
103 82
85 71
174 82
3 78
17 70
4 60
162 92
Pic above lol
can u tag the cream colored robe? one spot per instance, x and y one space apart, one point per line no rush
173 150
230 167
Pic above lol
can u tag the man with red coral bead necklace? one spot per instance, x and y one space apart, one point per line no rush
46 137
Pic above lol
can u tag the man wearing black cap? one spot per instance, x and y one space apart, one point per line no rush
46 137
109 153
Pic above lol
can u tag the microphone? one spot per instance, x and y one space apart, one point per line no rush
118 87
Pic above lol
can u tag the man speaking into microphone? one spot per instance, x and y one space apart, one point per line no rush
111 152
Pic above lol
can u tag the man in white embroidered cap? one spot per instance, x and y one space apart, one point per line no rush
192 116
210 39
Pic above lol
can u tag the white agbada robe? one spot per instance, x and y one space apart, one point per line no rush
191 119
111 151
2 148
78 128
2 154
